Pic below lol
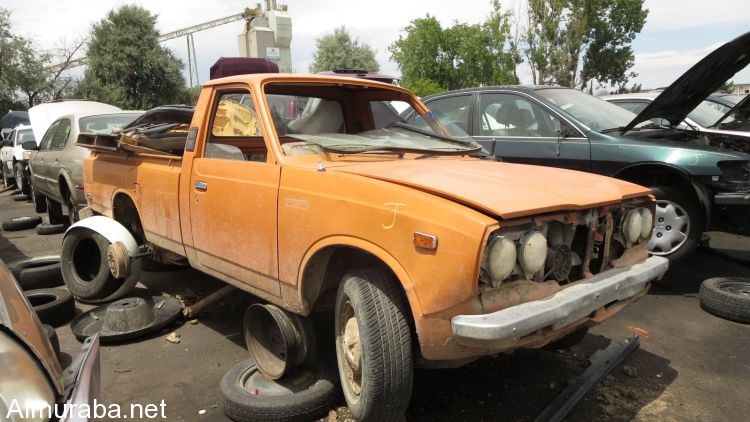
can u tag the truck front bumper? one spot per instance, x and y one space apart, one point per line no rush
504 328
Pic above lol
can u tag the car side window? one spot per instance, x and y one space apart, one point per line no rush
235 132
46 142
513 115
60 138
456 108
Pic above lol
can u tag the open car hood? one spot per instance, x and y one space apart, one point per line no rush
501 189
695 85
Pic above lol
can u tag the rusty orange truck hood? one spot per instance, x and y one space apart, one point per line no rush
502 189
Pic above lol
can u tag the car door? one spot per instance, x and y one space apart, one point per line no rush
47 159
234 189
522 130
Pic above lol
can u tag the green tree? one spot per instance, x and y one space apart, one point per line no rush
338 50
126 65
458 56
595 36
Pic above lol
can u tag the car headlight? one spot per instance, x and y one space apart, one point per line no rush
647 222
26 155
532 252
500 258
23 385
632 225
735 171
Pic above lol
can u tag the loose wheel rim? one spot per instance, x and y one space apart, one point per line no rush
671 228
350 357
735 287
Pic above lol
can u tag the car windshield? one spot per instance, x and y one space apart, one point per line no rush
105 123
706 114
323 122
592 111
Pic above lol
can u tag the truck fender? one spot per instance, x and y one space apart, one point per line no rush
109 229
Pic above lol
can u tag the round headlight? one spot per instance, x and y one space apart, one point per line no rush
631 226
532 253
500 258
647 221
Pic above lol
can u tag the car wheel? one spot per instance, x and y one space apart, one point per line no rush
37 277
72 210
678 224
86 271
373 345
7 177
40 203
305 394
21 223
22 181
17 266
54 212
53 306
727 297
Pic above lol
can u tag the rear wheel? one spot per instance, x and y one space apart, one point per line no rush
72 210
373 345
678 224
54 211
40 202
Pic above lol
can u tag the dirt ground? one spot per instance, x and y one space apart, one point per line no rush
693 366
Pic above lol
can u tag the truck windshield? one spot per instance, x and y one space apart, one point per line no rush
324 123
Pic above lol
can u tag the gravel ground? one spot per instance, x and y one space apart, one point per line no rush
692 367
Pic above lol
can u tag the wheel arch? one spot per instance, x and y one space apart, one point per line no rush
326 262
657 173
64 185
126 212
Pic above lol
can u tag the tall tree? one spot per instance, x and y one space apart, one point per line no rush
338 50
570 42
126 65
458 56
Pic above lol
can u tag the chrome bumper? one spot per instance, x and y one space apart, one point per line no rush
503 328
82 378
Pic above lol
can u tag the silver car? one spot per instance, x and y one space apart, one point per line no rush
31 378
57 166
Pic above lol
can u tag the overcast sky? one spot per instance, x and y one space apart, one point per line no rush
677 34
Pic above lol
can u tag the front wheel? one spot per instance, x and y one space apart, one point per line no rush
22 182
373 345
678 224
72 209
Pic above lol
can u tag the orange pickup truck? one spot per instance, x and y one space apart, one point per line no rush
309 192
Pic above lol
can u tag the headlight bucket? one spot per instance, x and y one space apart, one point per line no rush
632 225
532 252
647 222
499 259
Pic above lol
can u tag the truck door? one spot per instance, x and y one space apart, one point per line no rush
234 194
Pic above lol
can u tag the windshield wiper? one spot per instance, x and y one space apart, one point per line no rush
428 133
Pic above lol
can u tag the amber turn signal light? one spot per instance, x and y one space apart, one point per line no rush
425 241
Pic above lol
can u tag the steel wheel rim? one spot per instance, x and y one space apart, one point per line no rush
350 352
671 228
735 287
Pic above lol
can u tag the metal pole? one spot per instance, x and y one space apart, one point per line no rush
195 61
190 61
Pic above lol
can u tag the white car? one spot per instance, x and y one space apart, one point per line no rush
11 156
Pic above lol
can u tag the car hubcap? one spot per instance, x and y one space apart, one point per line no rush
671 228
736 287
351 348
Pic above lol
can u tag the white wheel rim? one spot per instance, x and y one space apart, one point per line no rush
671 228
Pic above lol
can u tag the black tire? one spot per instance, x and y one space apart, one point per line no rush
72 210
54 212
16 192
40 202
86 272
47 229
310 399
22 182
727 297
691 209
53 306
18 266
371 304
569 340
53 340
38 277
21 197
21 223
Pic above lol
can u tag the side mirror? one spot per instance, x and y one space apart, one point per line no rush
29 146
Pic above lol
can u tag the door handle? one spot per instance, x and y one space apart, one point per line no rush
202 186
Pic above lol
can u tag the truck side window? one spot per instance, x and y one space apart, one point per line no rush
235 134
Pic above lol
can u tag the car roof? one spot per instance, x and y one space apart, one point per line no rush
78 116
520 88
647 95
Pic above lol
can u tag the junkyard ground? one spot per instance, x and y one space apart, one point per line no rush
693 366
